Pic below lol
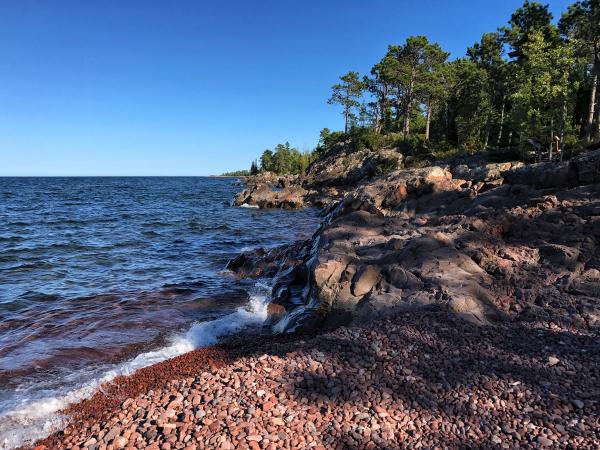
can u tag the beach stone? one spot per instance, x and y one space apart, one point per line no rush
578 404
112 433
552 360
90 442
365 280
120 442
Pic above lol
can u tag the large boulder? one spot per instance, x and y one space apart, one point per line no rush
261 262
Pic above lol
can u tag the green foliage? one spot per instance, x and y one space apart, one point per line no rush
285 160
347 94
532 17
471 103
415 144
365 138
544 85
407 76
580 26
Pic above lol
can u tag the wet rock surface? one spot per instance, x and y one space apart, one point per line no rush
262 262
414 380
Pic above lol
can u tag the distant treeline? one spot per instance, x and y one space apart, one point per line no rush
282 160
236 173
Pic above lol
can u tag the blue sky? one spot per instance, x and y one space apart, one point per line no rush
111 87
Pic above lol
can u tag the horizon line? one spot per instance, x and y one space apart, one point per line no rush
117 176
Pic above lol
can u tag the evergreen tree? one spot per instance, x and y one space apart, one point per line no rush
470 103
488 54
266 161
581 26
530 18
544 86
347 94
432 89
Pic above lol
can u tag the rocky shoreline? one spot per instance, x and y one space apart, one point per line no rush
453 305
488 242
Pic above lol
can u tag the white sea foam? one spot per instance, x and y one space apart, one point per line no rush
246 205
36 414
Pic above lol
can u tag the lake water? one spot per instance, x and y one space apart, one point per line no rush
102 276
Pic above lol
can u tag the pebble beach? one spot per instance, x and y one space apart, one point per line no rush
415 380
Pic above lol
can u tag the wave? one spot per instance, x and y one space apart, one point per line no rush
11 238
34 413
30 266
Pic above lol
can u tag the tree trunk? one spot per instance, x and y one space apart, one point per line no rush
501 121
399 113
379 123
428 121
488 126
596 131
592 108
551 139
347 112
409 101
406 131
379 117
563 125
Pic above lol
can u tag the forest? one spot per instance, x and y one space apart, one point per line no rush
527 91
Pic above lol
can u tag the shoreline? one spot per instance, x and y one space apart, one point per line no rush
110 396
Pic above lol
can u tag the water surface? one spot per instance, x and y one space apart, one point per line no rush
100 276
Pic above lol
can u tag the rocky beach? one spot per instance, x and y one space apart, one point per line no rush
441 304
425 380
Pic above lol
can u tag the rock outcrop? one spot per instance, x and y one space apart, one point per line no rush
264 196
425 239
346 167
581 170
326 180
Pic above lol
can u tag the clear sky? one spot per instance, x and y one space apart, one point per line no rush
191 87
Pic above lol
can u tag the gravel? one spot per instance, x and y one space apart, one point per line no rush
416 380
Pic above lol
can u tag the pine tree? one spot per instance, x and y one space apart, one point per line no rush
347 94
581 26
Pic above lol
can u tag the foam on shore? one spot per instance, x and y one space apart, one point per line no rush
34 412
